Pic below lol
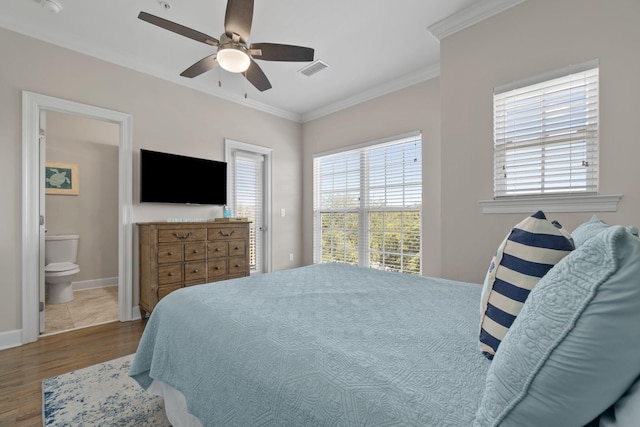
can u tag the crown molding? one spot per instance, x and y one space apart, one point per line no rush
469 16
80 46
456 22
402 82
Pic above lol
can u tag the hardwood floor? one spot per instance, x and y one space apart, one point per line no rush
22 369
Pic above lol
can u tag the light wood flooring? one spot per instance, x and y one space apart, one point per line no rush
22 369
89 307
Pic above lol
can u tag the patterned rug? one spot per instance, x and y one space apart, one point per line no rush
100 395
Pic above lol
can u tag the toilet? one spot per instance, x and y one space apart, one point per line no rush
60 255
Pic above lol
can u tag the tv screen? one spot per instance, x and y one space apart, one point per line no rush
170 178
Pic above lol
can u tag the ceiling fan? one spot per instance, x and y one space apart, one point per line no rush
234 54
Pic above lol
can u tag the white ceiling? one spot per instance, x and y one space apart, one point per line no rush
369 45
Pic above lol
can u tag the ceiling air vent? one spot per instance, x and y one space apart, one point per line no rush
313 68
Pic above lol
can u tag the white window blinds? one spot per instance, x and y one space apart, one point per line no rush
546 137
247 174
367 205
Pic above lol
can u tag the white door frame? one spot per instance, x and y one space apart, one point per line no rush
32 105
231 145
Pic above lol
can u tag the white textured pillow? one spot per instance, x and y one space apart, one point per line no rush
530 250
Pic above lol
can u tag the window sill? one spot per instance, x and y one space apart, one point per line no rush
593 203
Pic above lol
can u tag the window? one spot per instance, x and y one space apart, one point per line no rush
546 135
367 205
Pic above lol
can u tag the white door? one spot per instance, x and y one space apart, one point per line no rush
248 196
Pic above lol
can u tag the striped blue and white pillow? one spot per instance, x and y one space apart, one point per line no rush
530 250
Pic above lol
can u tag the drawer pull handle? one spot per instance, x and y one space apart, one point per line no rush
186 236
170 274
217 249
237 248
195 251
170 253
216 268
195 271
237 265
222 233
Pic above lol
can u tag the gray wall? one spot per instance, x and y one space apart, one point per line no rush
166 117
93 214
455 112
532 38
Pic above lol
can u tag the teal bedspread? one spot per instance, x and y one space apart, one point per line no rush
323 345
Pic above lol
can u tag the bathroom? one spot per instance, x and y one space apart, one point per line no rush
88 149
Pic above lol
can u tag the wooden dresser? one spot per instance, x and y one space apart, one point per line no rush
178 254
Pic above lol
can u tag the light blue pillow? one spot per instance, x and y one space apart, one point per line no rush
626 411
592 227
587 230
528 252
574 348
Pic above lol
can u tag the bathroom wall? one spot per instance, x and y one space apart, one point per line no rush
93 214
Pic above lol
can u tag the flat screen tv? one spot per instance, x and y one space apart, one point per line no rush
170 178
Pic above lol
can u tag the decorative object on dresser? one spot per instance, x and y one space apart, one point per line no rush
175 255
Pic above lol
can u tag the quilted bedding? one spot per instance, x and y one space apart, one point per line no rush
327 344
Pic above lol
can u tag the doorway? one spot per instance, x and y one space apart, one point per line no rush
249 196
33 207
80 210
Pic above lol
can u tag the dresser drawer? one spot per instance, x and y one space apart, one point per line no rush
237 266
163 291
217 268
169 253
236 248
227 232
195 270
181 235
169 273
194 283
194 251
217 249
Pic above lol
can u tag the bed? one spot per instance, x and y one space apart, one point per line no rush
328 344
338 345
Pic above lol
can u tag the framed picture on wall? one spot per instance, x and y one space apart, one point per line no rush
62 178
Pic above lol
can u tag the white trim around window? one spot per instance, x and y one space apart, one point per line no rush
368 204
587 203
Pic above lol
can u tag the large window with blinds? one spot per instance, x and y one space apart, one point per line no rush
368 203
546 135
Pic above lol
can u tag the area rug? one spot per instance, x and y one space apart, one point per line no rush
100 395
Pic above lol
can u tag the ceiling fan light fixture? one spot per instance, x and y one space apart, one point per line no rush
51 5
233 60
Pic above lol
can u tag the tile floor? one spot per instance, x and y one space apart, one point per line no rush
89 307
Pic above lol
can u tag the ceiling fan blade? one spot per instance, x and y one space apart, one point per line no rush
178 29
202 66
282 52
256 76
238 18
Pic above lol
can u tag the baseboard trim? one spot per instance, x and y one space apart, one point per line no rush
10 339
135 313
95 283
